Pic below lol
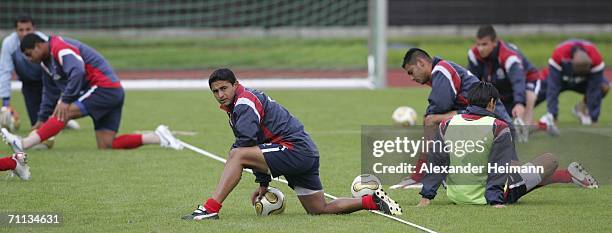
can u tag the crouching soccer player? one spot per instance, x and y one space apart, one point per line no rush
80 83
493 188
271 141
576 65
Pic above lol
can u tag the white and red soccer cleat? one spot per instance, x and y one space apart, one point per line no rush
21 168
581 177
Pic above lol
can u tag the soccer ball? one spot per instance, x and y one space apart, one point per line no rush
404 116
365 184
9 119
273 202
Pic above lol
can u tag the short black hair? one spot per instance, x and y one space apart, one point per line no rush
24 18
486 30
29 41
413 54
481 94
223 74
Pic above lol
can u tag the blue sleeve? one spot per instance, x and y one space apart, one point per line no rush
50 95
553 89
474 69
501 153
431 181
517 78
594 94
442 97
246 126
75 70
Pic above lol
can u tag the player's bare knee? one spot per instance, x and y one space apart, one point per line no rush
551 161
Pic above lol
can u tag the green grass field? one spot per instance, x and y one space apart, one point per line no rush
148 189
278 53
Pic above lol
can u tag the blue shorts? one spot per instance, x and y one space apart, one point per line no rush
301 169
104 106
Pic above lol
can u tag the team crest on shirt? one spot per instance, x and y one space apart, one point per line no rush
500 74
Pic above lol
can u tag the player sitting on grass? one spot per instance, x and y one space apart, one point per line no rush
485 187
449 84
82 84
271 141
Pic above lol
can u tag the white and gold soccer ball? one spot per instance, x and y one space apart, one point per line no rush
365 184
404 116
273 202
9 119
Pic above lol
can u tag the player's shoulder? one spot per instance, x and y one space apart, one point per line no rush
10 42
500 127
58 44
507 55
473 55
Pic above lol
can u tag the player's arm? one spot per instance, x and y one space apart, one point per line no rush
441 100
50 96
516 74
431 181
502 152
74 68
553 87
246 127
6 70
473 64
594 94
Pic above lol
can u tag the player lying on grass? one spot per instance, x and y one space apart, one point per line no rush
80 83
449 84
273 142
518 81
485 187
576 65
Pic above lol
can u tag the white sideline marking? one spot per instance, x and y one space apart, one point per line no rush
220 159
276 83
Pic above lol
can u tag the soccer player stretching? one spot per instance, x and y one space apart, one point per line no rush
80 83
271 141
493 188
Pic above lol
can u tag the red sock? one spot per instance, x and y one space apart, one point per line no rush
417 176
212 206
561 176
127 141
7 163
542 126
367 203
50 128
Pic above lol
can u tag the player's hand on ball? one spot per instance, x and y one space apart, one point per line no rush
259 193
424 202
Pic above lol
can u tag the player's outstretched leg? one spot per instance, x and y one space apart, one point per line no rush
17 163
161 136
315 204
